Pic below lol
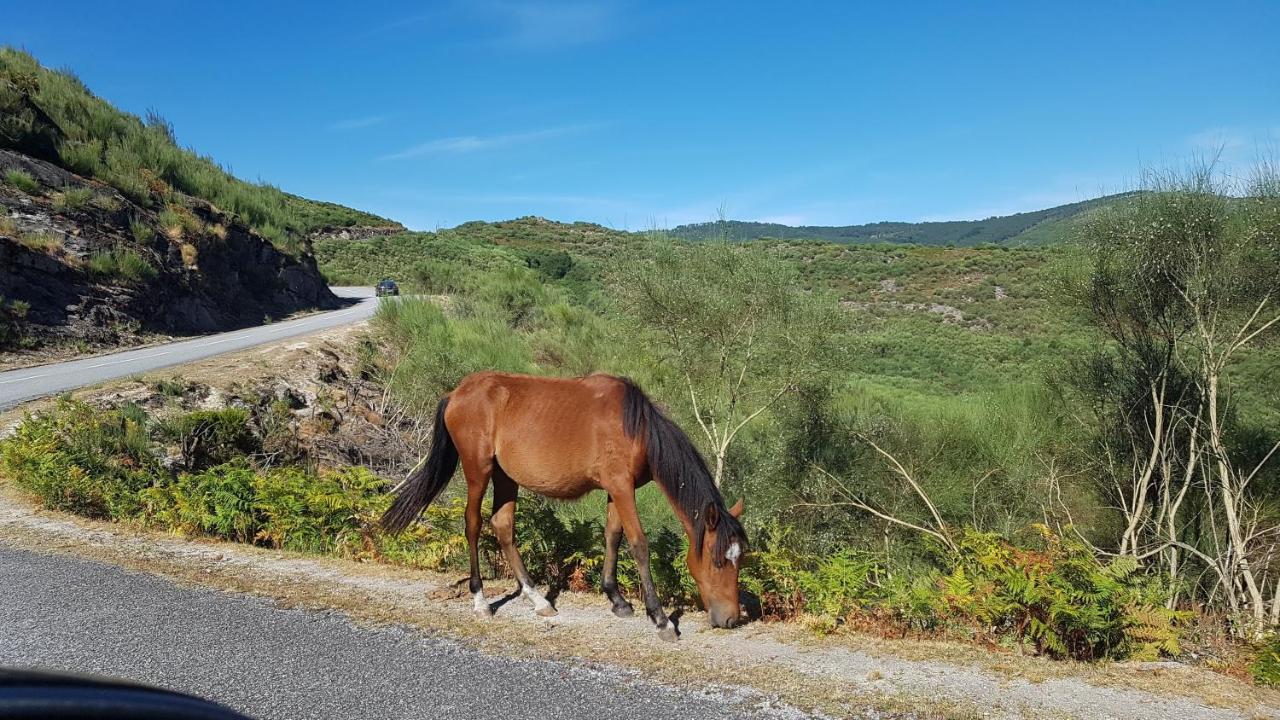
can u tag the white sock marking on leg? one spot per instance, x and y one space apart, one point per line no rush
531 593
481 604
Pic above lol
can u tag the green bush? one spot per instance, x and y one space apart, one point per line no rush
21 180
210 437
1266 666
219 501
82 460
123 264
326 513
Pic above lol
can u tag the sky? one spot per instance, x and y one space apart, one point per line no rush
638 115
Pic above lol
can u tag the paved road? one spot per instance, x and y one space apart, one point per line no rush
21 385
59 612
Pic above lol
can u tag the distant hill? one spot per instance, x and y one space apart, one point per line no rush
1040 227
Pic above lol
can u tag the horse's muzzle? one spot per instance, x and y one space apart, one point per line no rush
724 619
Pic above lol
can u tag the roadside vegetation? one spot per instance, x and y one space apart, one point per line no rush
1068 450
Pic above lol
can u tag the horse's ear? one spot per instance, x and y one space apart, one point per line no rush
713 516
736 510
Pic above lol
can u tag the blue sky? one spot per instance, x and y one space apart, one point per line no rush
638 115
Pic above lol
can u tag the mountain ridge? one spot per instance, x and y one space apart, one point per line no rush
1036 227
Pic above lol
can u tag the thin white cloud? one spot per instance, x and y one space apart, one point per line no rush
474 143
1224 139
540 25
357 123
516 24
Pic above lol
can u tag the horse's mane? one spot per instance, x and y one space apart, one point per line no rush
680 470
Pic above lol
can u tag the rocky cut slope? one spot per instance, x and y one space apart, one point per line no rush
81 263
110 230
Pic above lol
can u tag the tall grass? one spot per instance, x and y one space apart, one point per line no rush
21 180
124 264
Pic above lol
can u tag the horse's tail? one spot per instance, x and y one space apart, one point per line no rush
427 479
678 467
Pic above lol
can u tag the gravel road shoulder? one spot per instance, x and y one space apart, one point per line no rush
842 676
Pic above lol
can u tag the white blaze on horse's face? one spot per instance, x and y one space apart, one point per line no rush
734 552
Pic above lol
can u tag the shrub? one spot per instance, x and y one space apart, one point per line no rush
125 264
218 501
210 437
21 180
1266 667
72 199
82 459
328 512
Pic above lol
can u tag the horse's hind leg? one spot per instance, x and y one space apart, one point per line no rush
626 505
609 583
476 468
504 526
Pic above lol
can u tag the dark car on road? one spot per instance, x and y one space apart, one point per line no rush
386 287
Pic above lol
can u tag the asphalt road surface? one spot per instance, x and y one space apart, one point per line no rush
64 613
18 386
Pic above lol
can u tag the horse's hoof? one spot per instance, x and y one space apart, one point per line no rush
547 611
483 613
668 633
624 610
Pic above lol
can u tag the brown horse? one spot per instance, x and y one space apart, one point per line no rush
563 438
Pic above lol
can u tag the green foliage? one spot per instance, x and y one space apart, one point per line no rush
325 513
122 264
1265 668
72 199
81 459
41 242
210 437
12 313
52 115
21 180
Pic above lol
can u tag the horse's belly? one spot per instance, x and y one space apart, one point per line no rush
546 476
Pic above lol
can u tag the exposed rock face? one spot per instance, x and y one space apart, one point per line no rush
218 276
362 232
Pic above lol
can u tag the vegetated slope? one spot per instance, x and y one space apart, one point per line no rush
1030 228
52 116
109 230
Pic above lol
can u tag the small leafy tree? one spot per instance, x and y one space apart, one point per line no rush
735 326
1184 282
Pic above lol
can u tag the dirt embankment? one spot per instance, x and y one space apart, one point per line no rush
336 413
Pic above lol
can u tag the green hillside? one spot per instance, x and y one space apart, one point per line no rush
1040 227
52 116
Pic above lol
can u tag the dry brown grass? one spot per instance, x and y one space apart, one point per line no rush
190 255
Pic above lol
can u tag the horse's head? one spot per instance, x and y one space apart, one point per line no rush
715 566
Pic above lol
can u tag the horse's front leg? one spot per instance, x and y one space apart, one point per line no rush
609 581
626 507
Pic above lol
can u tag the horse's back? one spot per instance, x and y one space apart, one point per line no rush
560 437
